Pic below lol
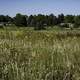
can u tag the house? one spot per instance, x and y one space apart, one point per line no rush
2 24
67 25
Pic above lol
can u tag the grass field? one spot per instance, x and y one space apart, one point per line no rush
39 55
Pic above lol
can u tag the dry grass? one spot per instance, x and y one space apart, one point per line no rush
39 55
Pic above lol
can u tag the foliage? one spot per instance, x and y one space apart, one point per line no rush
5 18
20 20
64 25
60 18
69 18
40 21
77 21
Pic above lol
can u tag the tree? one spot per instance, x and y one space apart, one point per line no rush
60 18
40 21
2 18
52 20
32 21
69 19
20 20
77 21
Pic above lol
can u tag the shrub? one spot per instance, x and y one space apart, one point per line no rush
64 25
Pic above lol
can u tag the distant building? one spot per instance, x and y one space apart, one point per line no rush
2 24
5 24
70 25
67 25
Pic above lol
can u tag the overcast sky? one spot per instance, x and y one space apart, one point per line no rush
11 7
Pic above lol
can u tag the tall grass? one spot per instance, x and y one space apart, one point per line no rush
39 55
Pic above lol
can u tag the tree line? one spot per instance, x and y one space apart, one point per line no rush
40 21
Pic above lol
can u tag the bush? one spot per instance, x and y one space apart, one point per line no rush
39 28
64 25
76 25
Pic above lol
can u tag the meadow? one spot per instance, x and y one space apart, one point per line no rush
39 55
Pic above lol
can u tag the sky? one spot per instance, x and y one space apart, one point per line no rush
28 7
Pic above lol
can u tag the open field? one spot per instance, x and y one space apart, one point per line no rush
39 55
